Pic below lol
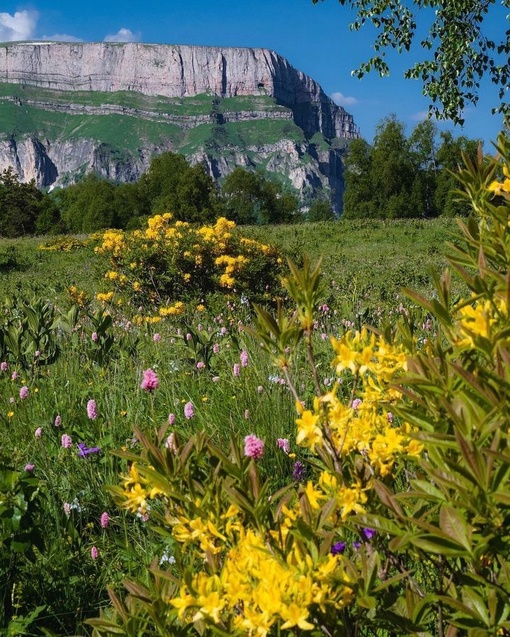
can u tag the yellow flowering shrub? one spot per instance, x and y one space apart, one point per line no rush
171 261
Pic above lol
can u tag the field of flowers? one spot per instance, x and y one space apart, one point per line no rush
201 436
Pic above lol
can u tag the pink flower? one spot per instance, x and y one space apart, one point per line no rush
67 509
94 553
23 392
253 447
236 370
58 420
14 375
171 419
200 365
104 520
215 349
356 403
150 380
244 358
38 432
37 353
390 417
29 467
156 338
92 409
170 443
66 441
283 444
94 337
3 366
189 410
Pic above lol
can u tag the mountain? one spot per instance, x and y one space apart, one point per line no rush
70 108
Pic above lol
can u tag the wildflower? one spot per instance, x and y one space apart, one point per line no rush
215 348
253 447
94 337
283 444
236 370
58 421
94 553
14 375
200 365
38 432
215 379
66 441
91 409
150 380
29 467
67 509
10 414
104 520
171 419
84 451
167 558
260 389
247 414
299 471
157 337
390 417
244 358
23 392
3 366
369 533
338 548
356 403
356 545
189 410
170 443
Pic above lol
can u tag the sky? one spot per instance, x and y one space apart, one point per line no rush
314 38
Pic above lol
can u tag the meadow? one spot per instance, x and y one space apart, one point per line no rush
114 356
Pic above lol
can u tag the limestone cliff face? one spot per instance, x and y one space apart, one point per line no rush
175 71
50 130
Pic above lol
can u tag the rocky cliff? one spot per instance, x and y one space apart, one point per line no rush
66 108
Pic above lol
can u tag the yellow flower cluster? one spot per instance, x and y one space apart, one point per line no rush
365 426
479 320
256 588
172 310
503 187
80 297
112 242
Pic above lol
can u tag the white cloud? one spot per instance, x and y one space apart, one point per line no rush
123 35
19 26
61 37
343 100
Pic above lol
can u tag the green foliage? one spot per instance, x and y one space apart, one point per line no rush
402 177
459 41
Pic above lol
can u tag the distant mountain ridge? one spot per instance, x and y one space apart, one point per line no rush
67 108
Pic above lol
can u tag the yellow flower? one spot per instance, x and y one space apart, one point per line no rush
309 433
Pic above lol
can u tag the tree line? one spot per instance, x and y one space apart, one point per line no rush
397 176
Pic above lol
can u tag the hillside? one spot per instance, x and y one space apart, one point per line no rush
70 108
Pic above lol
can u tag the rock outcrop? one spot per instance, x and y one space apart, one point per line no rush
165 72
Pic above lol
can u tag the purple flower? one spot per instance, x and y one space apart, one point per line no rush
150 380
91 409
58 421
356 545
171 419
157 337
3 366
369 533
23 392
94 553
66 441
299 471
29 467
94 337
189 410
236 370
244 358
338 548
253 447
283 444
104 520
84 451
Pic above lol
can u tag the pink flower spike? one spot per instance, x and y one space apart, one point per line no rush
236 370
66 441
58 421
23 392
94 337
171 419
92 409
104 520
29 467
156 338
244 358
38 432
283 444
253 447
189 410
3 366
14 375
150 380
94 553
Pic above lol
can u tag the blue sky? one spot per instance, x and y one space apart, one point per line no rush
314 38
